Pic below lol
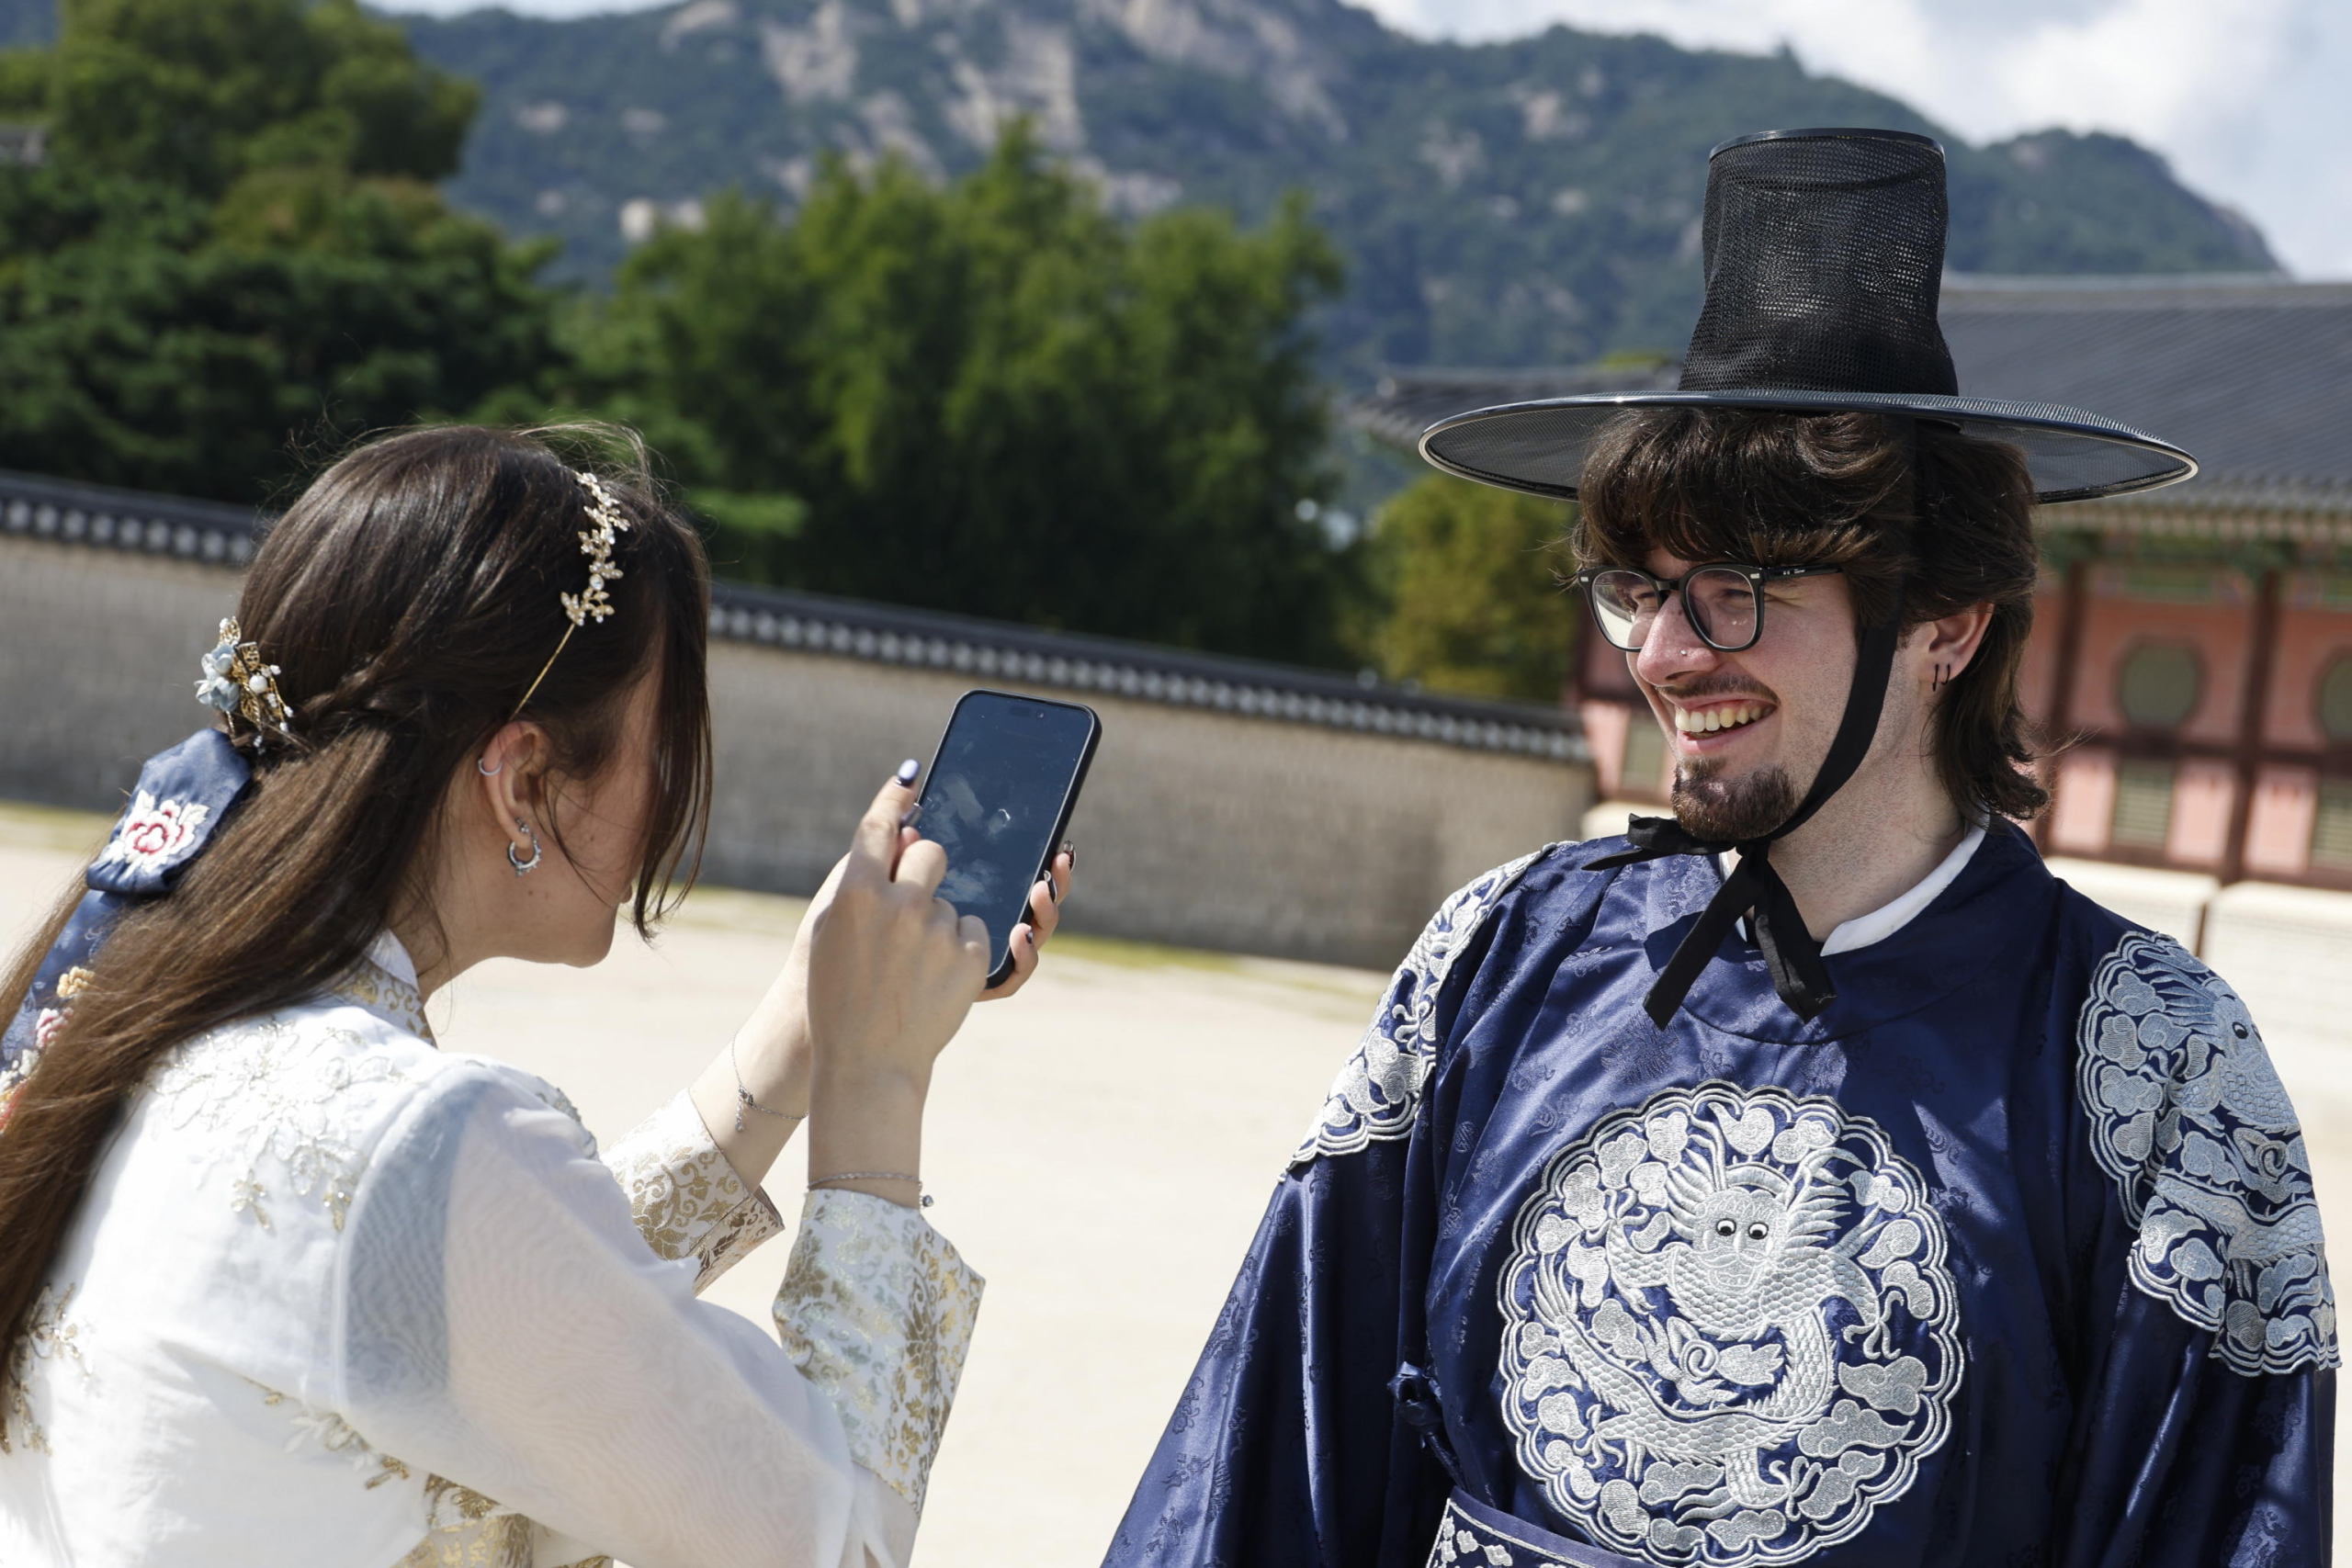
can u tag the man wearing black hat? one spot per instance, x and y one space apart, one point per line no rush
1807 1176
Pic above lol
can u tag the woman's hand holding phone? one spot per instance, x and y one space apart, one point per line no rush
892 970
771 1057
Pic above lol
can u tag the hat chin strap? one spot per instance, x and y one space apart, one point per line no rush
1754 887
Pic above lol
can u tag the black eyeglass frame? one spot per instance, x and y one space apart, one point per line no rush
1667 587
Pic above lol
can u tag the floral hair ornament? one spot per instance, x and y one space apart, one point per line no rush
240 683
596 543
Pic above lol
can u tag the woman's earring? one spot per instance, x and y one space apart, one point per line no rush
481 765
1943 678
524 867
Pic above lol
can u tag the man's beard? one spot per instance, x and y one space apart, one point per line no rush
1732 810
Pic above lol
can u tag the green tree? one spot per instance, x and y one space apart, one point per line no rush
995 398
1475 601
233 252
195 94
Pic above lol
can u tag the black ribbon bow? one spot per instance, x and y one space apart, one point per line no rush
1754 888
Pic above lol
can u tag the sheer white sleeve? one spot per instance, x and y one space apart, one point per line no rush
687 1198
502 1325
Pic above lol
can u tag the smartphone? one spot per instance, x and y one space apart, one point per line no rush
997 799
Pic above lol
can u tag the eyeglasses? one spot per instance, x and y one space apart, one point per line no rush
1723 601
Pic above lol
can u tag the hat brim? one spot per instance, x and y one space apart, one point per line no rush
1540 447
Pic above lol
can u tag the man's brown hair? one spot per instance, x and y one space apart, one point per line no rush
1770 489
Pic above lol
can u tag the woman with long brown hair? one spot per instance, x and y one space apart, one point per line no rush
283 1283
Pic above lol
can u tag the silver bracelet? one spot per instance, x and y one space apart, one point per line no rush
872 1176
744 1096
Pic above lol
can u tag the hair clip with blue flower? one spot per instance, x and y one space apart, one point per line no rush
238 682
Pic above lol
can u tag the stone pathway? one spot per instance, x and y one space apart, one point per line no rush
1101 1147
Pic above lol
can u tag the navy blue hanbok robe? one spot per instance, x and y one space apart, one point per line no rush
2008 1258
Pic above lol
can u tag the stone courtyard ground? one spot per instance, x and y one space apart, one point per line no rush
1101 1147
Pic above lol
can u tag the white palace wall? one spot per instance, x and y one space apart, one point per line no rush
1200 825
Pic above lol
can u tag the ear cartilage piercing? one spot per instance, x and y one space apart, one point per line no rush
481 765
524 867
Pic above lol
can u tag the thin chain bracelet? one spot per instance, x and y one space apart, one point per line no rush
873 1176
744 1096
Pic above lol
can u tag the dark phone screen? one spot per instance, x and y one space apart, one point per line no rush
994 800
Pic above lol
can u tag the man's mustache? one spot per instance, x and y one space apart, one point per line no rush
1715 686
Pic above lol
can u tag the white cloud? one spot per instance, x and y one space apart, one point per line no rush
2244 97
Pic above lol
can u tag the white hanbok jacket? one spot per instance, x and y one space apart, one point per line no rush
337 1299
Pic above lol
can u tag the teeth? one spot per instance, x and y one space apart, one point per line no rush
1706 722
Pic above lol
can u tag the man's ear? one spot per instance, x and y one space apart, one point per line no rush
1951 641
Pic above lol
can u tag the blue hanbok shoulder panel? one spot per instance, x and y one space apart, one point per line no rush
1377 1092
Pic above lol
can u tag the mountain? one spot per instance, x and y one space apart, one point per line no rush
1528 202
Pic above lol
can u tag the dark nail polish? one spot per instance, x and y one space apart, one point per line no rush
907 771
1053 894
1071 851
912 815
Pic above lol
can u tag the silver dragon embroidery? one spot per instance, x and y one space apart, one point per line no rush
1730 1332
2189 1117
1379 1088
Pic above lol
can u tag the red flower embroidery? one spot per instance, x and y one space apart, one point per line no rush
153 831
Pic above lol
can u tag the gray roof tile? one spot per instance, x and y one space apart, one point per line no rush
2252 374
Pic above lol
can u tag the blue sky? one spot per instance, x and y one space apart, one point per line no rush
2247 98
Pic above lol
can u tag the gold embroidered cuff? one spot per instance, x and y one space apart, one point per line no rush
877 1309
688 1200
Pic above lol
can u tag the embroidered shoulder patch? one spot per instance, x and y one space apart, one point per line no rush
1379 1088
2188 1116
283 1104
1729 1332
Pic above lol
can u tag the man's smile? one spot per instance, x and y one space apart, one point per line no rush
1707 718
1703 726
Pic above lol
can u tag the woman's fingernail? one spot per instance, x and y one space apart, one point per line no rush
912 815
907 771
1071 850
1053 894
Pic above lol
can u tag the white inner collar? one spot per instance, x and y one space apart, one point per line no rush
389 955
1890 917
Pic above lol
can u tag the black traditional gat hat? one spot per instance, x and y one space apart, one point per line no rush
1824 254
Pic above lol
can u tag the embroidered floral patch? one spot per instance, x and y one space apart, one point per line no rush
155 835
276 1096
1729 1331
2188 1116
1379 1088
50 1334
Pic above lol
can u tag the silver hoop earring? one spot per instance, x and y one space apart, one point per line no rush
524 867
481 765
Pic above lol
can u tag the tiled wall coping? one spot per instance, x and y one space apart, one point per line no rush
98 517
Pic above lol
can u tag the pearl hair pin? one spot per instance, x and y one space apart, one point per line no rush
241 684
